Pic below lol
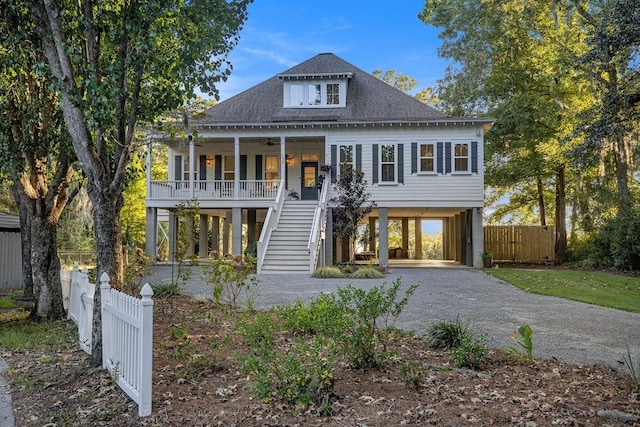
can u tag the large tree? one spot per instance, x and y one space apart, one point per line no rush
120 62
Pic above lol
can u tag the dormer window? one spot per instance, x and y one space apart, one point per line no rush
315 90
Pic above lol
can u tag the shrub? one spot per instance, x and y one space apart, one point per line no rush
230 278
634 370
370 316
165 289
368 272
327 273
470 352
446 334
321 316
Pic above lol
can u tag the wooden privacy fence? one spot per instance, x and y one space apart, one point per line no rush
520 243
127 333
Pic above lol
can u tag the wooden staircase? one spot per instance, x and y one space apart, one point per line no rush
287 252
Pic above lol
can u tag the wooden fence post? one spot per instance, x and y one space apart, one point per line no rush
105 298
146 355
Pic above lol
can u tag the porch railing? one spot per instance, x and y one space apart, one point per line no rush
214 190
270 222
317 235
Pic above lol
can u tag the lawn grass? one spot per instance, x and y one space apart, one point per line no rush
605 289
25 335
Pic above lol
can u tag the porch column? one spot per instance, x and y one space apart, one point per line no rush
458 238
203 234
192 165
188 222
372 235
418 245
283 163
236 231
173 235
383 243
251 232
477 237
405 235
226 230
215 233
151 242
236 174
328 246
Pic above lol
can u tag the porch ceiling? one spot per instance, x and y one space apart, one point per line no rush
425 213
203 140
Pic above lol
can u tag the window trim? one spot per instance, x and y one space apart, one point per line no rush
381 144
324 93
454 171
434 158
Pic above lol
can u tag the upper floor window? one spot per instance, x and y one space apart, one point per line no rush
314 94
461 154
271 168
388 163
228 172
427 157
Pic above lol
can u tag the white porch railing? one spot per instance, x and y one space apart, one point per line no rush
127 333
214 190
317 235
270 222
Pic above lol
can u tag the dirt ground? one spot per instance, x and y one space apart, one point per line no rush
59 389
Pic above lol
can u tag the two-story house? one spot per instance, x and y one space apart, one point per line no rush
255 152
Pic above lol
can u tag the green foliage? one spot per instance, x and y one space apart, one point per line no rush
321 316
186 235
370 317
470 351
446 334
634 369
165 290
230 277
135 269
593 287
26 335
523 348
412 374
327 273
368 272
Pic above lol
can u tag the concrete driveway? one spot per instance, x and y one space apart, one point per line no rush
571 331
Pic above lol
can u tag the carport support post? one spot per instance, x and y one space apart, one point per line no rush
204 232
236 231
477 237
383 240
418 246
405 236
151 242
215 233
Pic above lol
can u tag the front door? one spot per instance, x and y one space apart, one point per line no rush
309 177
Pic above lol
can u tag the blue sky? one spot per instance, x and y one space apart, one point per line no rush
369 34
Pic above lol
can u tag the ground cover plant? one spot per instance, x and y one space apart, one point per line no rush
203 375
609 290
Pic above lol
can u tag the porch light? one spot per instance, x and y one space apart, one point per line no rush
289 160
209 160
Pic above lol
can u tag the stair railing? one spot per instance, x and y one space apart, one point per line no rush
270 223
318 227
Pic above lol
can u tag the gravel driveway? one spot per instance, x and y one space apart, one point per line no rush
571 331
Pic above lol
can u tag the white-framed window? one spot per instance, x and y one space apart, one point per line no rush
271 168
228 168
186 167
427 157
388 169
346 157
315 94
461 157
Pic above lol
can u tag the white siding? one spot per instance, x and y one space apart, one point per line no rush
435 190
10 261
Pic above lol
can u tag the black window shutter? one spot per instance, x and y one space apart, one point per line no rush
258 167
374 155
447 157
401 163
178 168
203 168
359 156
474 156
218 170
334 162
243 167
414 157
439 157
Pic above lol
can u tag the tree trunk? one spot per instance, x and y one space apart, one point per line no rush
561 217
109 257
46 270
541 206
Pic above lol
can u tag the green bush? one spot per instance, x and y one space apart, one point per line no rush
230 277
321 316
446 334
370 317
470 352
327 273
165 289
368 272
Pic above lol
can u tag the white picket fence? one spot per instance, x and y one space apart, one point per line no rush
127 333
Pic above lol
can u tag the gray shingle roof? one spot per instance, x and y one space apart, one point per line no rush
368 100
